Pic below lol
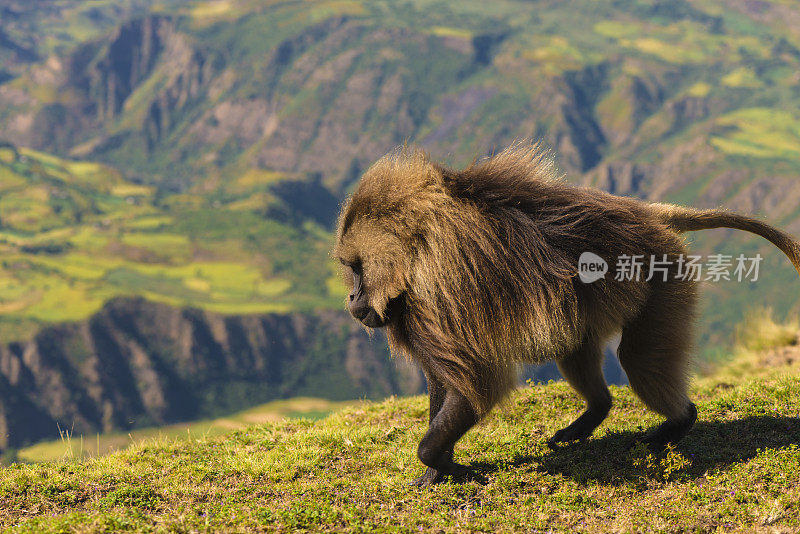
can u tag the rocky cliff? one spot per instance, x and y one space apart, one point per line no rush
139 363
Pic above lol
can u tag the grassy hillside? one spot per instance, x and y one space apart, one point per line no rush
73 446
74 234
738 469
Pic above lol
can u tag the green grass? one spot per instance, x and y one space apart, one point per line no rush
699 90
445 31
71 447
761 332
741 77
678 42
739 468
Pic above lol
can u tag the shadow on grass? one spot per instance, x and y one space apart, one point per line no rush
710 445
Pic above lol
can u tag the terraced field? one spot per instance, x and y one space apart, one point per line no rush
75 234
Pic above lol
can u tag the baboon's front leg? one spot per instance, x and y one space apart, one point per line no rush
436 394
453 419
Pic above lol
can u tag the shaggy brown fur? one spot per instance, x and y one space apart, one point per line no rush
475 271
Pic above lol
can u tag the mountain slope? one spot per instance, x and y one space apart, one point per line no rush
328 86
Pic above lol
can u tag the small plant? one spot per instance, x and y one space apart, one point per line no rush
141 497
66 440
668 466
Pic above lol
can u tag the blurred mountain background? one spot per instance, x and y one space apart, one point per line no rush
170 172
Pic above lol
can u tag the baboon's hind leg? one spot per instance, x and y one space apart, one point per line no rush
654 352
583 369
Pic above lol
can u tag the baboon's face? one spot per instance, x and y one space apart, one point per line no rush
358 299
374 270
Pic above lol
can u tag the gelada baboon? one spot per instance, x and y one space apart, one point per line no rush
475 271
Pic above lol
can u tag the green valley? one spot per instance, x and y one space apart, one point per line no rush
75 234
259 115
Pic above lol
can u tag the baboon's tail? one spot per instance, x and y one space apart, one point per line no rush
688 220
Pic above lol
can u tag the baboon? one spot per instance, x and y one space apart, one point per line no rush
476 271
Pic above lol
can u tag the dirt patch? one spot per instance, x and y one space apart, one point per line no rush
782 356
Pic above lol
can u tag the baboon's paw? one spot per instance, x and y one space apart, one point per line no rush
428 478
579 429
573 432
670 432
431 477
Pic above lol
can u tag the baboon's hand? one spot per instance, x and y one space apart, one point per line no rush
433 476
579 430
428 478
